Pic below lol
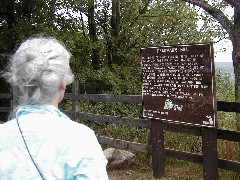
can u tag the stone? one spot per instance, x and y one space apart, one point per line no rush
119 159
108 154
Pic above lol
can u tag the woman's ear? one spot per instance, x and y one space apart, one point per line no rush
63 83
60 92
62 86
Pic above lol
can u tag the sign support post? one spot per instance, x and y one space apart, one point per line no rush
210 155
158 152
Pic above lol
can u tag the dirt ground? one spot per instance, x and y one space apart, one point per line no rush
129 175
172 173
175 170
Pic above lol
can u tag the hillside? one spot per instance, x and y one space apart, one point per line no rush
225 68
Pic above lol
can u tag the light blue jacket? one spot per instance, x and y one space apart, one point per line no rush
61 148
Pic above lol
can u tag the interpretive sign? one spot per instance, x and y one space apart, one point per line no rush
178 83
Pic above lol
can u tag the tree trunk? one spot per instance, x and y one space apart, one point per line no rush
10 13
93 35
112 43
236 59
26 9
115 19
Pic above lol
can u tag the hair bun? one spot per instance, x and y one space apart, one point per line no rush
30 63
30 54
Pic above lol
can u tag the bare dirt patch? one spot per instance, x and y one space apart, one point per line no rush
172 173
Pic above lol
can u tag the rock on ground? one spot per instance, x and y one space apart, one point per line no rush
119 159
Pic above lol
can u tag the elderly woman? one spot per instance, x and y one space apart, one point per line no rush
41 142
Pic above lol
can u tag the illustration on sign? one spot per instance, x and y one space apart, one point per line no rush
169 105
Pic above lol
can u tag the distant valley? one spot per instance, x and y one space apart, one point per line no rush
225 68
224 65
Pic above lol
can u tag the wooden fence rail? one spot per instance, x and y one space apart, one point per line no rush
145 123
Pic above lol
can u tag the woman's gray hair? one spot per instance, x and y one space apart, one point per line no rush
36 69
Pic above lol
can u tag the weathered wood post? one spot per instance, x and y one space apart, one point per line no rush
158 152
75 91
210 154
14 99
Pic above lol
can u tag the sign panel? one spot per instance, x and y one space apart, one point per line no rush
178 83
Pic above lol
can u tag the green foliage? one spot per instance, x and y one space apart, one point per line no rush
225 92
225 84
111 80
113 130
183 142
226 120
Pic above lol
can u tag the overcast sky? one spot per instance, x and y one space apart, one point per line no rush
225 56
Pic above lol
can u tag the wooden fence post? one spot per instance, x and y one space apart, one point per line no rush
210 155
14 102
158 152
75 90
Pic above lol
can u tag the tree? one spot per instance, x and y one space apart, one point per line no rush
232 27
93 34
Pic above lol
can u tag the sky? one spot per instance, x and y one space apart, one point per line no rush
222 49
225 56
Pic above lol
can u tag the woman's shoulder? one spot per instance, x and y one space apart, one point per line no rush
75 127
77 137
8 128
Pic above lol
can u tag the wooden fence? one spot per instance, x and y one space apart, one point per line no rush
156 147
